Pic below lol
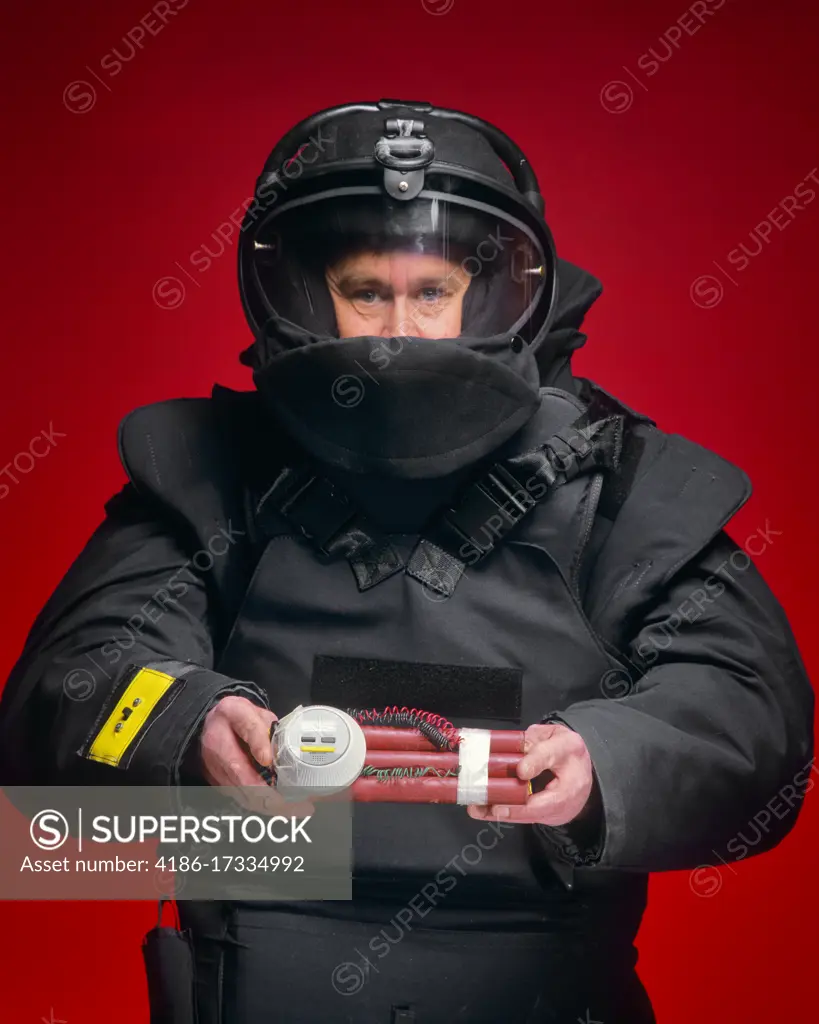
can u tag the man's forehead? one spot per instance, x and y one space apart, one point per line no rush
393 258
365 267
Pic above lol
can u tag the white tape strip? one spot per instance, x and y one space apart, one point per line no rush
473 761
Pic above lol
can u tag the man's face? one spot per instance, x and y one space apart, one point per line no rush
397 294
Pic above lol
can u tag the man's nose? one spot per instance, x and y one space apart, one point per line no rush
404 320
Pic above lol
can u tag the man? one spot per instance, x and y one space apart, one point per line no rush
419 505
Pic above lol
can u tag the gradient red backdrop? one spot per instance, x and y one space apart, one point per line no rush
664 136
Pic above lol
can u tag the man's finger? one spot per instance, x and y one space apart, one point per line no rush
546 755
250 791
250 726
535 733
218 750
555 793
265 800
225 760
553 806
477 811
238 771
267 717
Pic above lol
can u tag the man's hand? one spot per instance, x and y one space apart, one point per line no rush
235 730
558 749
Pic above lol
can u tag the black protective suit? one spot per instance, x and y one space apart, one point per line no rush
614 603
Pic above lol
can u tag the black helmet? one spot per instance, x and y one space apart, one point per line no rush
392 177
379 227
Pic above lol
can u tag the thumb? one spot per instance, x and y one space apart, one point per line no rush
268 719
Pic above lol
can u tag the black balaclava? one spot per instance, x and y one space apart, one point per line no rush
394 216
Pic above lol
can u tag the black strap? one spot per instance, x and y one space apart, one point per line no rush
491 507
325 515
482 515
617 486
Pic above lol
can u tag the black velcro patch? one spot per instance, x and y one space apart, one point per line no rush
453 691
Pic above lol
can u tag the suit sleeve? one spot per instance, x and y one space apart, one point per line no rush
709 752
117 673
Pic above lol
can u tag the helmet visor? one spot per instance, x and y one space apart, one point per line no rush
353 263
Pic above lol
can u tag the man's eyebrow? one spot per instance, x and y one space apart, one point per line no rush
430 281
357 280
360 281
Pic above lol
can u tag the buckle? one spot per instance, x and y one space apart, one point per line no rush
511 489
494 504
319 510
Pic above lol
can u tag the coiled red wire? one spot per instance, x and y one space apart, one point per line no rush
412 718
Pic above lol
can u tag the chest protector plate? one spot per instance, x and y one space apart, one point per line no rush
508 645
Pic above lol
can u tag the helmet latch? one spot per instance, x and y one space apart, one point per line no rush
404 151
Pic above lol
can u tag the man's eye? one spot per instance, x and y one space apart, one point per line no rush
367 296
433 294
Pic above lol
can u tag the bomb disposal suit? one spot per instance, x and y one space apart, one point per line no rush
418 504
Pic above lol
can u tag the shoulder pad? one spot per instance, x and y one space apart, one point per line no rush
191 456
184 449
168 446
681 497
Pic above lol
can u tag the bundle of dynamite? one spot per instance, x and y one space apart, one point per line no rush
396 755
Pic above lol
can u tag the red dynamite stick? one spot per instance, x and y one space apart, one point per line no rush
500 765
386 737
434 791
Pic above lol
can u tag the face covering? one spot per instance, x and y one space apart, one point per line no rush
399 407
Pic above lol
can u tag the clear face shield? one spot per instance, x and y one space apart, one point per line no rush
355 265
385 294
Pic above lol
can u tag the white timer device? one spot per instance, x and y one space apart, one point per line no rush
318 748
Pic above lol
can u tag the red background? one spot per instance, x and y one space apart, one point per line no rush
103 203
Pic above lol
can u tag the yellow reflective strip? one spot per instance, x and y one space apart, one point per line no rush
148 686
318 750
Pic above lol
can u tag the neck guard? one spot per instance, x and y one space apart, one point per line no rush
399 407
